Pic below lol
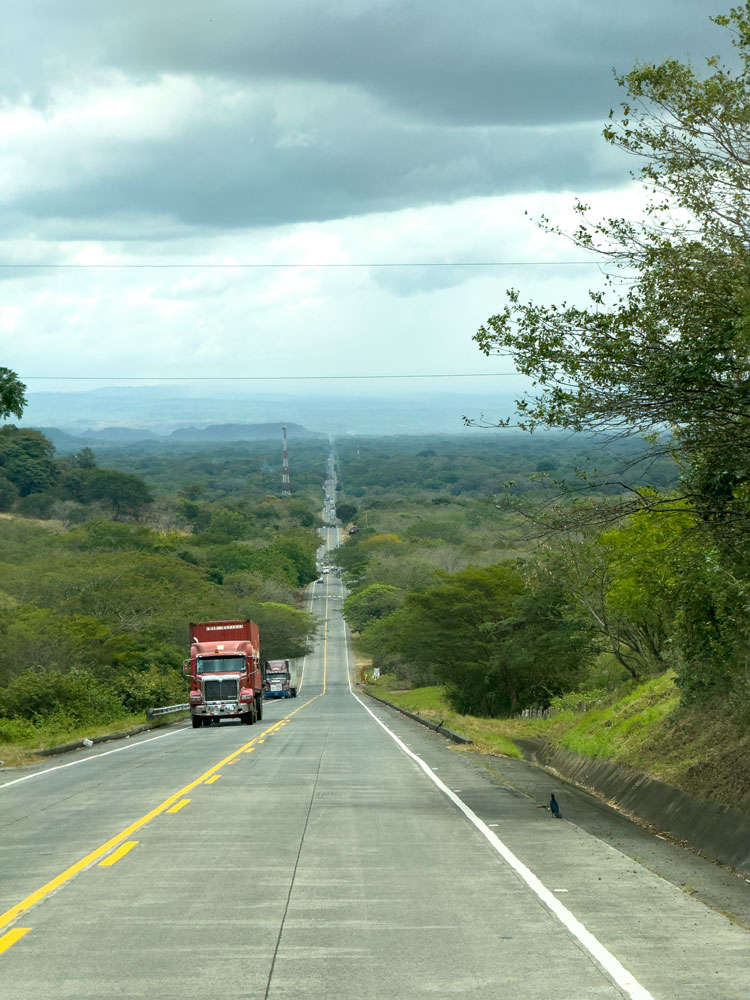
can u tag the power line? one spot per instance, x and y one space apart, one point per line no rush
256 378
380 264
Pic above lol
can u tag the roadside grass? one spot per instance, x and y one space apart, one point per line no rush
20 740
618 731
430 702
703 749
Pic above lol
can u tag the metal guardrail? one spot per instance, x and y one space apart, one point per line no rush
166 710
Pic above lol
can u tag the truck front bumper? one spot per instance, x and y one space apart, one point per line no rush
220 709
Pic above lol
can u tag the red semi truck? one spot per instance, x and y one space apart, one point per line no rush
224 671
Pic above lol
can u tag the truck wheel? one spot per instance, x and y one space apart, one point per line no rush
197 721
259 708
207 720
294 692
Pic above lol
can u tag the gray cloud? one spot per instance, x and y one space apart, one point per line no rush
316 111
302 131
247 172
477 62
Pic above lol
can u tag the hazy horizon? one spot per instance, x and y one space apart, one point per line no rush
336 409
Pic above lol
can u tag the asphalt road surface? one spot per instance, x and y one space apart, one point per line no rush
334 850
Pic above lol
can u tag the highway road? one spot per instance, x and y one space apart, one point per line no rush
335 850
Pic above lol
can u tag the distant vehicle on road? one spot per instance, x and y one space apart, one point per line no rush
280 679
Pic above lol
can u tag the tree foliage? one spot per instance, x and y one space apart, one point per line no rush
665 343
26 460
377 600
124 494
286 632
499 640
12 394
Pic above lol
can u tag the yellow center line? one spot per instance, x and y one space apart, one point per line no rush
180 805
65 876
11 937
115 856
35 897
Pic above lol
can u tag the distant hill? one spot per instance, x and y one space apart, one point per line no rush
66 443
125 434
242 432
333 409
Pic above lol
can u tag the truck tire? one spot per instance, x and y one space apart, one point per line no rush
294 692
259 708
197 721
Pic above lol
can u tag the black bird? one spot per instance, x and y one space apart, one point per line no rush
554 807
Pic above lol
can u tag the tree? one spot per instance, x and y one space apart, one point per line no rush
127 495
299 548
12 394
84 459
192 491
665 344
285 633
624 582
26 458
8 493
347 512
498 639
376 601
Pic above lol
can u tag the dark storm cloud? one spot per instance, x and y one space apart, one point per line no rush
247 176
472 62
424 102
478 61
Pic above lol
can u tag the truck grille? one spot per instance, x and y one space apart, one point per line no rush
220 689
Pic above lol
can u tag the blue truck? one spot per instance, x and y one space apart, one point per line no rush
279 679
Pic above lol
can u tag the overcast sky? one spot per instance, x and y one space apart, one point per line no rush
310 133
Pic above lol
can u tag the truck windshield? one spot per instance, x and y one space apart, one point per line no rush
221 664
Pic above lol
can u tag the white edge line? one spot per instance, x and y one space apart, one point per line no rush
617 972
94 756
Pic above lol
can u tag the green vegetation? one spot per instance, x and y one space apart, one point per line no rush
599 570
431 702
99 583
630 568
20 739
12 394
640 725
664 346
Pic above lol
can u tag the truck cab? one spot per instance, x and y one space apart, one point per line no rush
280 679
224 671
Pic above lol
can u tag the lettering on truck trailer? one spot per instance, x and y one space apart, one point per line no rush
221 628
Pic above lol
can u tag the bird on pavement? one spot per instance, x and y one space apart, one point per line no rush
554 807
